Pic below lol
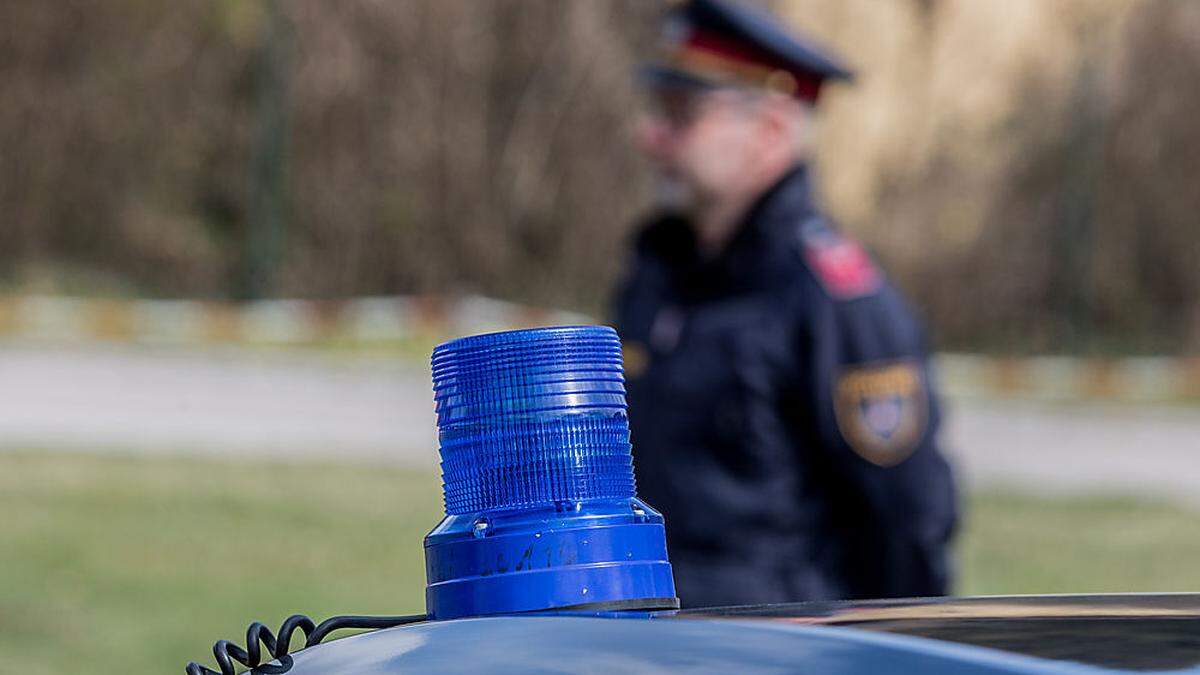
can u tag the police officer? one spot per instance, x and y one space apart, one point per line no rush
781 402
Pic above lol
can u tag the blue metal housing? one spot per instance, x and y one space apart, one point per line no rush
538 480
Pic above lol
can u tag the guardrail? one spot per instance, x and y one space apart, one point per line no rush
424 320
1136 379
282 322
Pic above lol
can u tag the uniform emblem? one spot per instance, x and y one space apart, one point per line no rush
841 264
882 411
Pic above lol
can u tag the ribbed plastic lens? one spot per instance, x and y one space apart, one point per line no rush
531 418
538 477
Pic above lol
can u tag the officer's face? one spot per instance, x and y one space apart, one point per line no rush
707 140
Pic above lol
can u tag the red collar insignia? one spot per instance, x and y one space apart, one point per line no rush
841 264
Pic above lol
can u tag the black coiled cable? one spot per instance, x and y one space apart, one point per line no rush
257 636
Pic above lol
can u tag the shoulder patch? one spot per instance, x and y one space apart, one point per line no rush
881 410
841 265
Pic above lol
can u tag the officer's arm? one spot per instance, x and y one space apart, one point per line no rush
872 421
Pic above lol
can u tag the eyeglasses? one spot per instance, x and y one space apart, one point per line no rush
679 107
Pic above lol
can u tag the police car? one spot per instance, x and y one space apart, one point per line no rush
547 562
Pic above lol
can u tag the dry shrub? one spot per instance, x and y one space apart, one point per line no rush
1026 169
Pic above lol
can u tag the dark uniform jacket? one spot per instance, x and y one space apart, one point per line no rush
782 413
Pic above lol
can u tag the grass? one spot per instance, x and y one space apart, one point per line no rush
1016 543
139 564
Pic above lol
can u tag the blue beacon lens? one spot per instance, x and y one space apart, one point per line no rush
537 473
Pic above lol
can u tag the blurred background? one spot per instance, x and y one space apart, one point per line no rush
231 230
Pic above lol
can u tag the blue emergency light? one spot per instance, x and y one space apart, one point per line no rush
537 471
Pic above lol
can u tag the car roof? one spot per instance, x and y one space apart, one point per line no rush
1122 631
980 636
843 612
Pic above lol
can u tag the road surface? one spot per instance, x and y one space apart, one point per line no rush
289 404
